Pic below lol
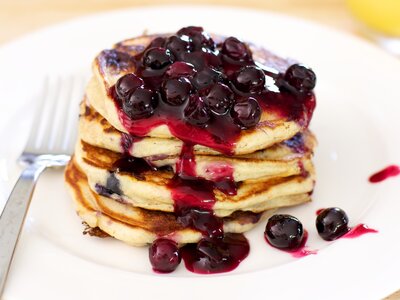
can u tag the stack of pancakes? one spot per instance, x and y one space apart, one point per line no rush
124 184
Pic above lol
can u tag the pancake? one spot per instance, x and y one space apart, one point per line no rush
150 189
136 226
281 160
109 66
189 140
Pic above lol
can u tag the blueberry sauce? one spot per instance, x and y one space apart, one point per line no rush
186 175
202 220
359 230
222 176
303 172
133 165
300 251
390 171
188 193
186 165
126 164
205 93
216 255
220 134
127 141
297 107
194 197
216 252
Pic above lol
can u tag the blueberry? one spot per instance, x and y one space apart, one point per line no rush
198 37
207 77
164 255
204 221
215 251
140 104
176 91
219 99
157 58
157 42
247 113
177 45
235 49
332 223
127 84
211 58
249 79
284 232
300 77
180 69
196 112
116 59
196 59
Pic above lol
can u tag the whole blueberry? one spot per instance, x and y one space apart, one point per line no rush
127 84
202 220
207 77
246 113
157 42
177 45
180 69
235 49
176 91
140 104
198 37
196 59
249 79
157 58
284 232
215 251
300 77
332 223
219 99
196 112
164 255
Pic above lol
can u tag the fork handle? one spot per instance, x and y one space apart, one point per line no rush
13 216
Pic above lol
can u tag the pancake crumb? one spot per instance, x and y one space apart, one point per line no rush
94 231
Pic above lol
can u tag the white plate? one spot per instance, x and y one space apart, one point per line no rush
357 124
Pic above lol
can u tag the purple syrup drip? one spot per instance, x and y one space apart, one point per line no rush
127 141
359 230
133 165
212 256
390 171
300 251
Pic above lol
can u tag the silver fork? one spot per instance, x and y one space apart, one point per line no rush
49 145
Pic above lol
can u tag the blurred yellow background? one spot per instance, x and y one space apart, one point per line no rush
381 15
21 16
